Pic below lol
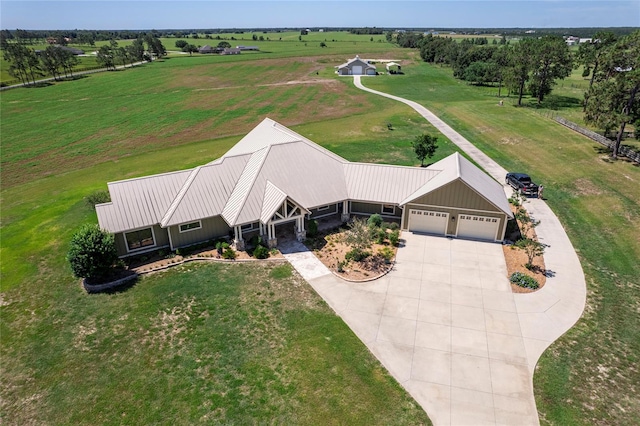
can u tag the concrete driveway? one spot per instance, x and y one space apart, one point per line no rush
444 323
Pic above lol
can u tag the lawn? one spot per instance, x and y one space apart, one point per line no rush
589 375
204 343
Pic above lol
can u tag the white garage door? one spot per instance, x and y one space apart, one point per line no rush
429 222
356 70
478 227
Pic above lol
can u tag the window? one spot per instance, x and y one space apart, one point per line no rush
247 227
185 227
388 209
139 239
323 208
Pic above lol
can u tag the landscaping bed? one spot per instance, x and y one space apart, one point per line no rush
332 249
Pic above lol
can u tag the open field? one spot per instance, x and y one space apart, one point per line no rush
590 375
183 111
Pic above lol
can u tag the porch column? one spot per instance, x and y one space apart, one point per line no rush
301 234
238 241
272 241
345 211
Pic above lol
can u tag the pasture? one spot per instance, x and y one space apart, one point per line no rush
64 141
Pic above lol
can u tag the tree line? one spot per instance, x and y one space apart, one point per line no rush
534 65
27 64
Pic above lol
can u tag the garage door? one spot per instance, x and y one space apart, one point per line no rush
356 70
429 222
478 227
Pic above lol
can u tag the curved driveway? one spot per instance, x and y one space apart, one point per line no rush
445 323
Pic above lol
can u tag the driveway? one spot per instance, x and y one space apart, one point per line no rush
444 323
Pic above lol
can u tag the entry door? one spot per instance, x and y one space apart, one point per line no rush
428 221
478 227
356 70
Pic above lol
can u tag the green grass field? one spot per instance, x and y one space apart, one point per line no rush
62 142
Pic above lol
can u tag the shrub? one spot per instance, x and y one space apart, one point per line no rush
394 237
221 246
229 253
523 280
261 252
391 225
92 252
312 228
380 235
356 255
98 197
374 221
386 253
340 266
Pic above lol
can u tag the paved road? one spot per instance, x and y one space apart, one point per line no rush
444 322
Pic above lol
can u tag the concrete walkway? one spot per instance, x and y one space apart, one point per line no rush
445 323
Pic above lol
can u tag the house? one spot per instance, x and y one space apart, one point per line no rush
231 51
274 180
356 66
393 68
208 49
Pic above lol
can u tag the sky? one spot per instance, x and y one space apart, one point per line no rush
159 14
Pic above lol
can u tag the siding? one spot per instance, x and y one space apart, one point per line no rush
370 208
332 210
161 238
453 214
456 194
212 228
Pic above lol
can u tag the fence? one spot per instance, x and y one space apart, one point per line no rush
626 151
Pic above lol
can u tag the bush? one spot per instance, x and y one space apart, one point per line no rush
98 197
261 252
221 246
386 253
92 253
229 253
523 280
391 225
312 228
394 237
255 241
374 221
356 255
380 235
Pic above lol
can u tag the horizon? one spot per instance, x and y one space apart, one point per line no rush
144 15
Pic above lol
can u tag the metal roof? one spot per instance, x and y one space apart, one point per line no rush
269 165
140 202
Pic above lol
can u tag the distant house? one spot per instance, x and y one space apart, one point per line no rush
245 48
209 49
356 66
393 68
274 180
231 51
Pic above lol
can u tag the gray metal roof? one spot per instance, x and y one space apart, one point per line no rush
382 183
355 60
140 202
269 165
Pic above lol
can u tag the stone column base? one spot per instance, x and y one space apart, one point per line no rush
345 217
272 243
239 245
301 235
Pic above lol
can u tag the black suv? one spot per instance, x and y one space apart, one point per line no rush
522 182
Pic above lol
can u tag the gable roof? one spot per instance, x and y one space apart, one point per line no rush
356 60
269 165
456 167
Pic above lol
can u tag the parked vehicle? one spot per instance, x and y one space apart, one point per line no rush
522 182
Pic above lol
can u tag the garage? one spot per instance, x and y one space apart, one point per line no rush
478 227
356 70
428 222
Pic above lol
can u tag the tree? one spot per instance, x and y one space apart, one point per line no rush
358 236
551 61
155 46
180 44
614 99
190 48
92 253
521 59
50 61
24 61
424 146
136 50
224 44
590 55
532 248
105 57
